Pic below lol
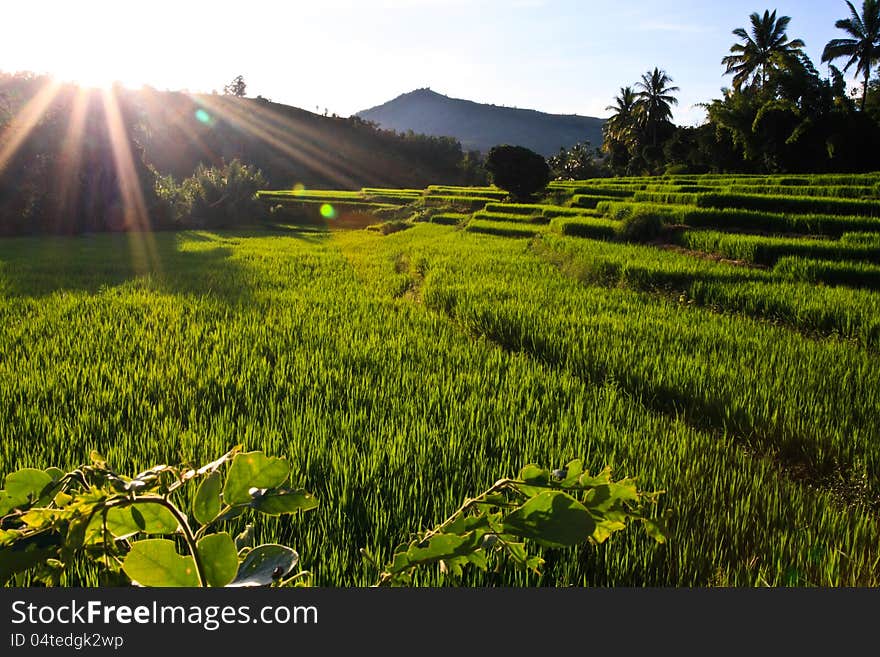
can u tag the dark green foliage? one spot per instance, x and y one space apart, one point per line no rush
55 183
518 170
217 197
579 162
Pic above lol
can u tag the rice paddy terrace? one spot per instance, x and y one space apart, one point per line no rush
717 337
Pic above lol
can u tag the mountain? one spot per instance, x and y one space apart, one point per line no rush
290 145
480 127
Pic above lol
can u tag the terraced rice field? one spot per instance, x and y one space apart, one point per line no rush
732 360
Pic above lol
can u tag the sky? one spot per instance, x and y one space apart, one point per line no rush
559 56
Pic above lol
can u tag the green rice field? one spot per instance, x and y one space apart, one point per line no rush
731 360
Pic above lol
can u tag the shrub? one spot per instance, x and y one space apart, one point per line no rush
518 170
216 197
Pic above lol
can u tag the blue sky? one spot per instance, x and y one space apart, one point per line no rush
562 56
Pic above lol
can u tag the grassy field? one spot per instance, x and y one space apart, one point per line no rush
401 373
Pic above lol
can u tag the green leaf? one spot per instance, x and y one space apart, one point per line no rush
27 553
7 503
206 505
55 473
266 564
604 529
400 562
125 522
154 519
551 518
26 485
76 535
155 562
285 500
8 537
253 470
478 558
517 551
604 477
441 546
40 517
573 471
534 475
655 530
607 498
219 558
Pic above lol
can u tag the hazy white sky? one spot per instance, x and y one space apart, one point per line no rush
562 56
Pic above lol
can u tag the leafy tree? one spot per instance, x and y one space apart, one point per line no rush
863 49
579 162
655 101
518 170
766 49
236 88
620 130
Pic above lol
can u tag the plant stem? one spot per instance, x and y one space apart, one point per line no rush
184 525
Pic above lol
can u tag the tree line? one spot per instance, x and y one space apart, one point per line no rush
778 116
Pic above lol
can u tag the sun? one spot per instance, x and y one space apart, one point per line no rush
92 46
96 66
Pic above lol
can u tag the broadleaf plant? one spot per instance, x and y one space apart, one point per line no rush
134 529
561 508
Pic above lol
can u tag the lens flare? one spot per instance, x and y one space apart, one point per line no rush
202 116
328 211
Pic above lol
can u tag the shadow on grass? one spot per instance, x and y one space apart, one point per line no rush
191 262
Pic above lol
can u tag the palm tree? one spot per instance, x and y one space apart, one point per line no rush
767 48
619 127
655 100
863 49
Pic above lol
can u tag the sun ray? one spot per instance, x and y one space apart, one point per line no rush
171 113
287 141
25 121
136 218
70 164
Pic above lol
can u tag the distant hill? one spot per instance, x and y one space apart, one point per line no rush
479 127
290 145
177 131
